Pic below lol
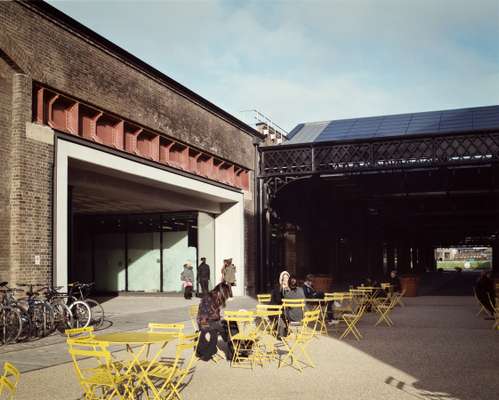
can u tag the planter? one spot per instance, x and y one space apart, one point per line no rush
323 283
410 284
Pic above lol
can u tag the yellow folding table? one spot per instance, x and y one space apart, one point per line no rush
138 345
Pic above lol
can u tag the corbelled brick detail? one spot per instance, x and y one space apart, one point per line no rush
56 54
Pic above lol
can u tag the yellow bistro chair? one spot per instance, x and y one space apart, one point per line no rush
346 302
296 343
399 298
351 321
156 327
292 304
170 376
384 307
263 298
482 308
269 316
80 333
9 381
102 380
245 344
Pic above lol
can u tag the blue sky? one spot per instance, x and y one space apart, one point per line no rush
302 61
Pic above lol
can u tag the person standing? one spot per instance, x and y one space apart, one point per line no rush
203 275
187 278
229 274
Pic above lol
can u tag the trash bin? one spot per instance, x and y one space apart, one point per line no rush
410 284
323 283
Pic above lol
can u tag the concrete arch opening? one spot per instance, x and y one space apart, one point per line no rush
129 226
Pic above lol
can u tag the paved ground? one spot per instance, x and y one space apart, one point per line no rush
437 349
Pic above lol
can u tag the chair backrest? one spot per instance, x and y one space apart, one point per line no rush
93 352
263 298
245 321
335 296
293 303
155 327
80 333
9 380
309 324
268 307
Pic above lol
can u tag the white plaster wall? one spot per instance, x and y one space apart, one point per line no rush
206 243
229 243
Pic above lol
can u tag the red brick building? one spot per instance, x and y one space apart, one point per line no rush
110 170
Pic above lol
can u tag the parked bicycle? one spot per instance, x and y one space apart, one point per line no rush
10 315
95 315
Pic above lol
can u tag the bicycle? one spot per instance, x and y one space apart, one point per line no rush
96 312
40 312
10 316
63 317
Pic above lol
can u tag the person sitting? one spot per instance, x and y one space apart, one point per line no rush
294 292
394 281
277 293
308 289
209 321
485 292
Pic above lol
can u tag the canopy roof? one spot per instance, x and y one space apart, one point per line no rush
431 122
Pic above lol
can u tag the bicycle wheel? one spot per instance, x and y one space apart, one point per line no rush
82 315
11 324
42 317
97 313
63 318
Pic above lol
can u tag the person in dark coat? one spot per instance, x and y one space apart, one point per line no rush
204 275
394 281
209 321
308 288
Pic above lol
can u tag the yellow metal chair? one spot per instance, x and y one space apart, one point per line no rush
482 308
193 314
399 298
269 316
296 343
170 376
155 327
245 344
102 380
9 381
384 307
80 333
351 321
293 304
346 300
263 298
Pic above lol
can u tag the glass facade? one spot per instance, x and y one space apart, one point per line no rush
135 253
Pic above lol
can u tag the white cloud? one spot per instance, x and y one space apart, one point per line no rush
314 60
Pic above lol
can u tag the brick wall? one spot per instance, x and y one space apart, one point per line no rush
6 73
54 55
30 194
61 59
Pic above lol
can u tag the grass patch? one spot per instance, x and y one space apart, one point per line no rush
474 265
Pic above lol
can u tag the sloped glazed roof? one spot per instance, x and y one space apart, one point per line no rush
432 122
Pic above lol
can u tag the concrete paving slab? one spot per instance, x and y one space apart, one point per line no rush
438 349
